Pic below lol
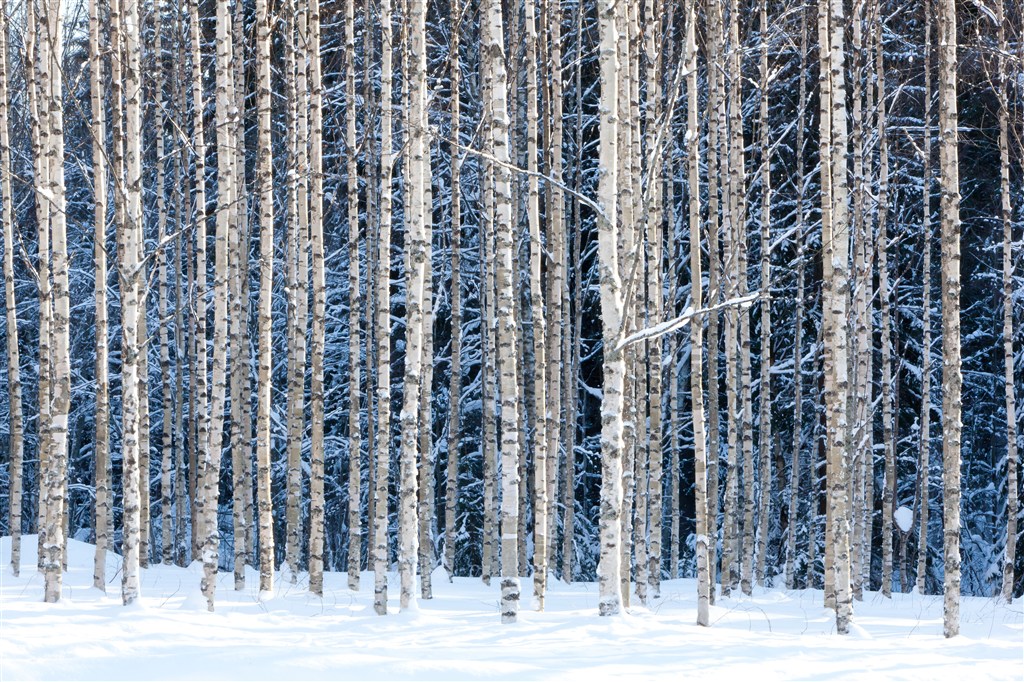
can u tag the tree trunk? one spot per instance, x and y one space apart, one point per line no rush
539 439
557 294
1012 504
355 539
885 294
17 433
837 302
926 343
609 566
697 326
655 303
132 308
299 309
764 440
264 181
798 377
226 195
163 255
455 386
201 391
238 313
493 54
383 331
952 379
317 337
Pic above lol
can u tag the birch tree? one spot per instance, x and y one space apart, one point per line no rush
316 349
352 189
416 243
226 195
498 140
837 302
764 439
704 582
264 181
130 234
923 470
201 391
383 330
540 404
1012 503
885 294
17 438
455 386
798 377
952 379
609 565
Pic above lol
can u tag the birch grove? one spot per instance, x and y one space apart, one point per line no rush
625 293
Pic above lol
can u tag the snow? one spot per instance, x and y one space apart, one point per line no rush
903 518
775 634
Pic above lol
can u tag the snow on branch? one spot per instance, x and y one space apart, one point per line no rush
670 326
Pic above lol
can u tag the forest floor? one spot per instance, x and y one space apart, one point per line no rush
773 635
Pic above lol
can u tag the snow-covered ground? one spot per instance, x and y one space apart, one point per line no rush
458 635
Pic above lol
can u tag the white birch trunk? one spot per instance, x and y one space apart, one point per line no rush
17 434
697 327
264 181
498 140
317 337
1012 503
226 195
383 331
352 190
609 568
924 468
764 440
132 307
952 379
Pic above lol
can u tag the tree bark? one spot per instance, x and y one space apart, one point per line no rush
355 538
609 565
697 326
455 386
132 307
317 337
201 391
17 433
539 439
383 331
764 440
926 343
264 181
1012 503
798 377
226 195
498 127
952 379
885 294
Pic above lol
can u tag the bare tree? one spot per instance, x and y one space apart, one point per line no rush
704 581
226 195
923 470
316 348
952 379
383 330
498 142
455 388
1012 503
352 188
609 568
884 295
17 438
132 307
